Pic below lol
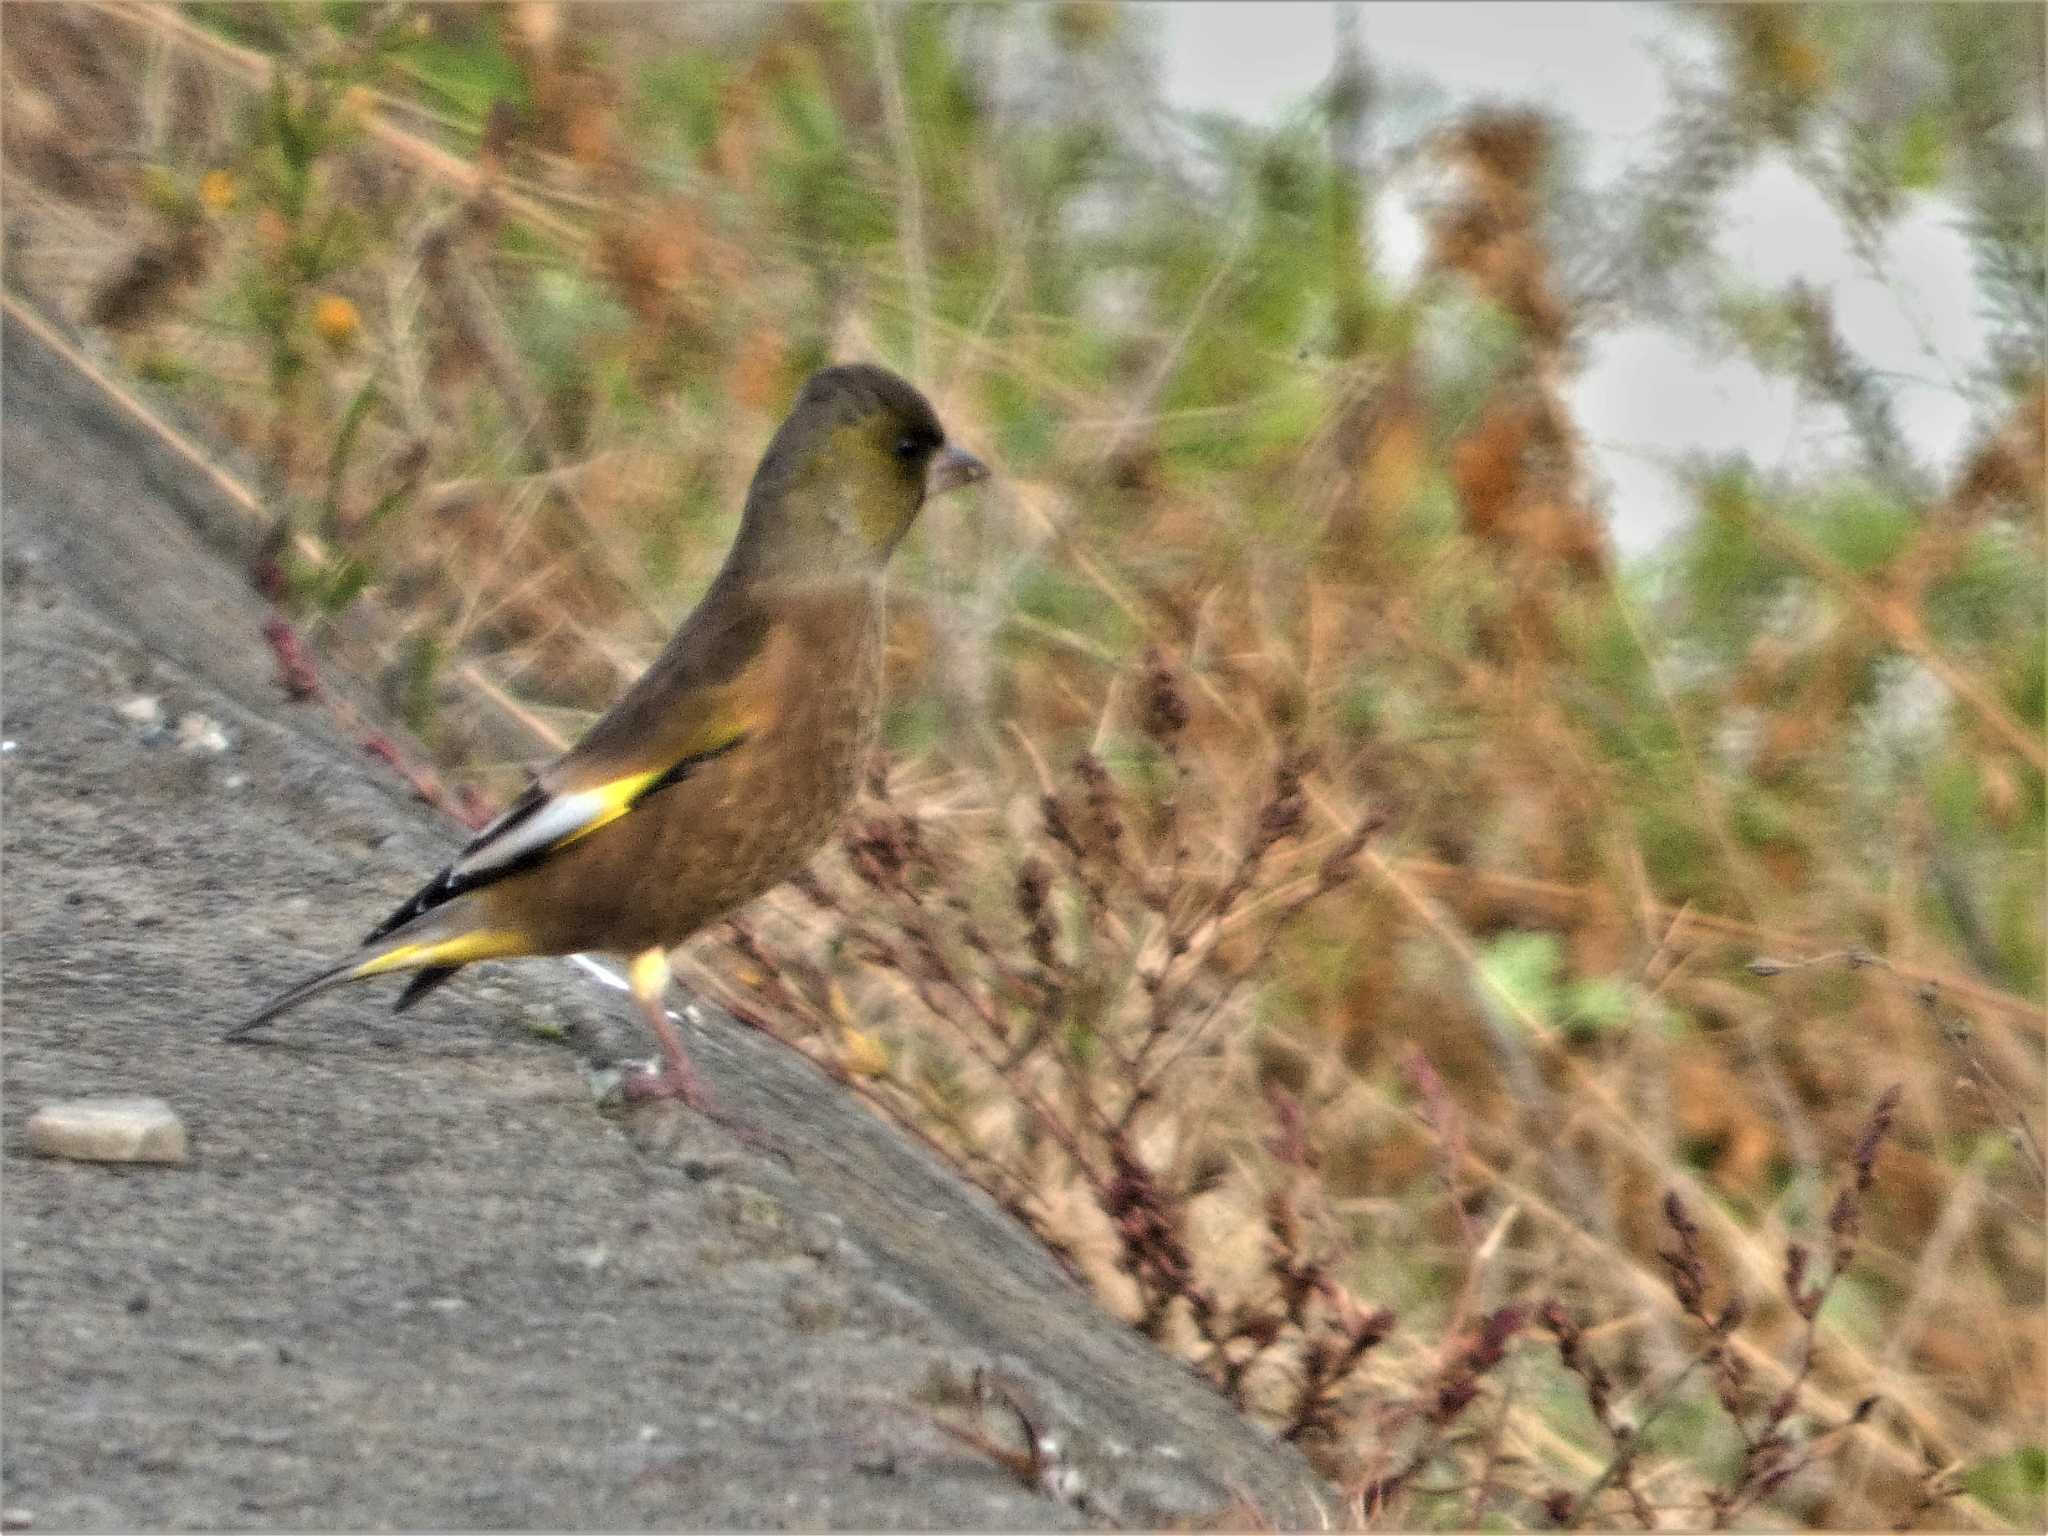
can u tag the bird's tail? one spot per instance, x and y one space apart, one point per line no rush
408 949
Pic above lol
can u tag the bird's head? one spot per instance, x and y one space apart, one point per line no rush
845 475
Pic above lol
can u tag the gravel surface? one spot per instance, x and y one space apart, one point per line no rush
412 1276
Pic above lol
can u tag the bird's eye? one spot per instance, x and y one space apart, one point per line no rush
908 448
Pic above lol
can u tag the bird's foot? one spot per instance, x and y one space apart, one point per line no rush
681 1084
669 1080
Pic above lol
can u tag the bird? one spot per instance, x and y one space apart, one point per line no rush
723 768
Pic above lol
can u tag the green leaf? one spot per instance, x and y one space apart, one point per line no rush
342 585
914 727
1921 158
366 399
1524 967
420 670
1765 326
2014 1483
471 73
1598 1005
1861 526
1068 602
1026 427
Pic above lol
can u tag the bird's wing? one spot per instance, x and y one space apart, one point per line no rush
701 699
542 822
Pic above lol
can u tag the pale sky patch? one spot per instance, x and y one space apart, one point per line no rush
1646 399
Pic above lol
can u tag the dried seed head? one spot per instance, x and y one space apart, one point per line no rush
1680 1223
1874 1132
1339 866
1452 1399
1261 1329
1495 1334
1057 827
1371 1329
1166 708
1281 818
1101 794
1034 883
877 853
813 890
1844 1218
1286 811
1795 1269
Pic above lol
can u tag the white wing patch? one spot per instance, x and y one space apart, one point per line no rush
559 820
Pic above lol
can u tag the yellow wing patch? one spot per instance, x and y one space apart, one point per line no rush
563 818
609 802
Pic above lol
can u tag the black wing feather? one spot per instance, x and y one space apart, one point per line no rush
447 885
421 984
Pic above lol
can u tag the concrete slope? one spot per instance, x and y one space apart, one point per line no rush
412 1276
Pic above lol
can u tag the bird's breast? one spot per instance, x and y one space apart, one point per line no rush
781 796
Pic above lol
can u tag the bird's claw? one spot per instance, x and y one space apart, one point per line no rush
652 1083
668 1081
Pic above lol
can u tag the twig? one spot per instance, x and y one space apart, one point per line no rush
1902 626
909 184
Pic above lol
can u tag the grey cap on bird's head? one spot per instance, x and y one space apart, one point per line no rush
876 441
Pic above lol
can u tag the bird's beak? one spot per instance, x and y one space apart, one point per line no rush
951 469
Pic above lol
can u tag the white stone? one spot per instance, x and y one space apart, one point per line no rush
201 733
108 1130
143 709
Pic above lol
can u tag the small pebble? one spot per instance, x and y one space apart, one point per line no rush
201 733
816 1305
606 1084
143 709
108 1130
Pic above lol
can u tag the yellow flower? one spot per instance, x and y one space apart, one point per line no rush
1802 68
863 1054
358 105
217 191
336 319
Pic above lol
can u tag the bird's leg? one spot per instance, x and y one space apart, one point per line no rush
677 1079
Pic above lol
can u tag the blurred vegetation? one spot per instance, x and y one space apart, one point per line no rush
1673 865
